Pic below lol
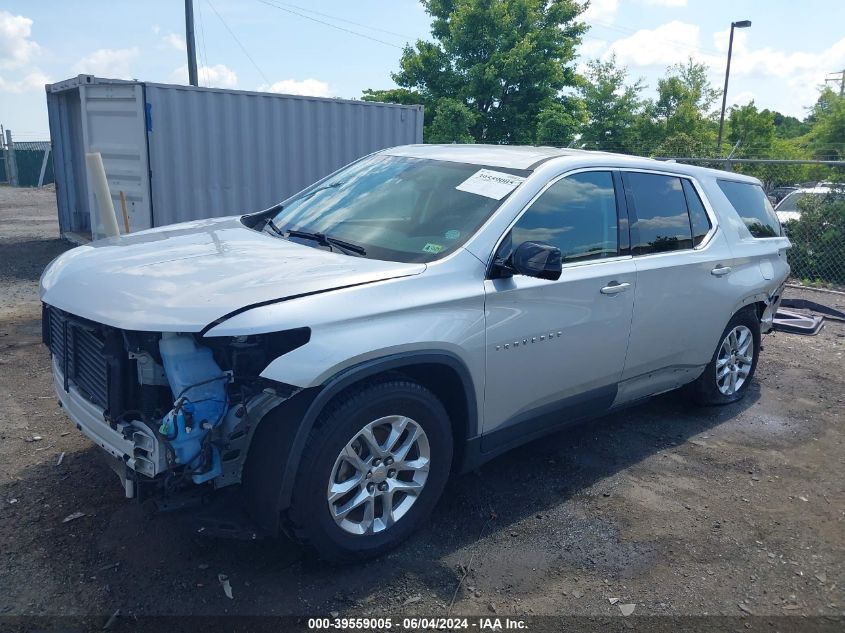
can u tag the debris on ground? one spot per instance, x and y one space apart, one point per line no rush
61 459
223 579
73 517
412 600
112 620
627 609
613 600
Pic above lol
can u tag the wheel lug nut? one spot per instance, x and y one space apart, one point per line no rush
371 487
391 472
388 461
376 461
370 475
382 486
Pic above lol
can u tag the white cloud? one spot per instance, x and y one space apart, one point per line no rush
31 82
16 47
217 76
664 45
308 87
592 48
743 98
114 63
667 3
175 41
600 10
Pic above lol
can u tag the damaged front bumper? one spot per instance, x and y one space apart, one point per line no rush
131 444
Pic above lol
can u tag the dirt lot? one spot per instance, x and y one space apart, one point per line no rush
674 509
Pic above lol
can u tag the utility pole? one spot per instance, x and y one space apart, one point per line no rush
11 160
189 40
742 24
841 81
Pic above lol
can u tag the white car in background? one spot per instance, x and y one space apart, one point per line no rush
788 208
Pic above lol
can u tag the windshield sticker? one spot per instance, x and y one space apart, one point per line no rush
491 184
432 248
452 235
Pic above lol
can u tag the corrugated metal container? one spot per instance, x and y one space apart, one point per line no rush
181 153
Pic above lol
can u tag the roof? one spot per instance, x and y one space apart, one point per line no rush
529 157
512 156
40 146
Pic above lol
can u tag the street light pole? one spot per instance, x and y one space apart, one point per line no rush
742 24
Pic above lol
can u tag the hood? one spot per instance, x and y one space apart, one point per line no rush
185 276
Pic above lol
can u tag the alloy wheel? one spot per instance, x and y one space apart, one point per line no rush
379 475
735 359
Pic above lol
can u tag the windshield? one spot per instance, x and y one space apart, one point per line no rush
790 202
397 208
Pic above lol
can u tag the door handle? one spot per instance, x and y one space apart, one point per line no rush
614 288
720 271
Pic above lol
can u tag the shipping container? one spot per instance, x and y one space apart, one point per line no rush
181 152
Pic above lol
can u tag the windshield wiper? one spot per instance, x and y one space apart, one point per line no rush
325 240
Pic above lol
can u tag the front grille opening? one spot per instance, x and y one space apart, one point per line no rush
81 350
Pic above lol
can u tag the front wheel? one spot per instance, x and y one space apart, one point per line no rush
727 376
372 470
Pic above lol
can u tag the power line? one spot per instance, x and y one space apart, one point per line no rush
334 26
203 48
235 37
339 19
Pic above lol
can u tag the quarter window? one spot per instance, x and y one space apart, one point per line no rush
697 215
662 222
753 207
577 214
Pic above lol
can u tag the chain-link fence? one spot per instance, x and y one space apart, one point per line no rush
809 199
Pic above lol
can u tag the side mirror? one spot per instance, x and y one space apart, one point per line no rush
536 259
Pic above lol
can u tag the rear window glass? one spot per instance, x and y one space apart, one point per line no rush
753 207
662 222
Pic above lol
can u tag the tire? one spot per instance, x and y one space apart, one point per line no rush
706 389
323 471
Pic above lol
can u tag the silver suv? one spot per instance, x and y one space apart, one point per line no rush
414 314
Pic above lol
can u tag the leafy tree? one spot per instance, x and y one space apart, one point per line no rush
612 106
684 100
753 130
505 60
787 127
826 139
451 123
558 123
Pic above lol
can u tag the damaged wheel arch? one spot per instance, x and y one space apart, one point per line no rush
279 438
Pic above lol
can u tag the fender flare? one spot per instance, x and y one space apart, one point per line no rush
314 401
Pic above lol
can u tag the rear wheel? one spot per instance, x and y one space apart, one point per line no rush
372 470
727 376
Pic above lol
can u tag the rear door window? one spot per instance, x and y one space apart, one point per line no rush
750 202
660 219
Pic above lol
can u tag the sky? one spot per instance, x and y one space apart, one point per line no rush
336 48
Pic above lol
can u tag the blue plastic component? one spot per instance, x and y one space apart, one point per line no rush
199 390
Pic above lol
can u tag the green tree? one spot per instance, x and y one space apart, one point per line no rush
826 139
505 60
751 131
683 106
559 122
612 107
451 123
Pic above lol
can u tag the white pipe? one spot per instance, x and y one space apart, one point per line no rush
105 207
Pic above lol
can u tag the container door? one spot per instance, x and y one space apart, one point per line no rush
114 124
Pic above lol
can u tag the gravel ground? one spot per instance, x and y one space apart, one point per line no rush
673 509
